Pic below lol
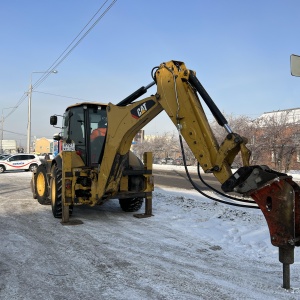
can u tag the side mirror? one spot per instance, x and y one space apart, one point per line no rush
57 137
295 65
53 120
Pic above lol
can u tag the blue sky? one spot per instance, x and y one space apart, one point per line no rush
239 49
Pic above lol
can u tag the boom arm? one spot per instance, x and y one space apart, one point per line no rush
176 94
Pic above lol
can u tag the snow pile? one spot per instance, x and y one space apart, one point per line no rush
244 229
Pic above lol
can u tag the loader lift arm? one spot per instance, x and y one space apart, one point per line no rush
275 193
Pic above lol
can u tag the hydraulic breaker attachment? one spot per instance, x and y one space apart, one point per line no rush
279 202
278 197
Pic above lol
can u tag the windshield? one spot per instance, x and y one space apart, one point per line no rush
73 123
86 127
4 156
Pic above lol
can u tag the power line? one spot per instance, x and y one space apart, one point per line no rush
63 96
14 132
53 65
63 56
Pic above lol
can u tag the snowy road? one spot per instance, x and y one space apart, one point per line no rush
191 249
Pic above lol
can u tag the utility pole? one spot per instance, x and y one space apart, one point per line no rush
29 108
2 127
1 150
29 118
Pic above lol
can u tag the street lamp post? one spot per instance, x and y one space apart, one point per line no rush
29 109
2 126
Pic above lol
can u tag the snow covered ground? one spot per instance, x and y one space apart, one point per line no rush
192 248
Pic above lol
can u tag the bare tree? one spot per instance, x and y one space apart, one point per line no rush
164 146
242 125
277 133
141 147
273 139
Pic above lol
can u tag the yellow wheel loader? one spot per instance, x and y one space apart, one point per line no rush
95 163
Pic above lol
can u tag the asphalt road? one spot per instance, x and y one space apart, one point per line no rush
179 179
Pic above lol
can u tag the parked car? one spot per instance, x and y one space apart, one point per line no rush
169 161
178 162
166 161
20 161
162 161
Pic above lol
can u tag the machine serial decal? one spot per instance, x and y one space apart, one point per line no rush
68 147
137 112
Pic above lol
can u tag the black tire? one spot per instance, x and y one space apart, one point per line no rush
41 185
33 167
56 193
131 204
135 184
2 169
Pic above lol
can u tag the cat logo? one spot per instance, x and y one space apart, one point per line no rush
137 112
142 109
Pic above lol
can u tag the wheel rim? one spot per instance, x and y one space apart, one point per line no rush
53 191
40 184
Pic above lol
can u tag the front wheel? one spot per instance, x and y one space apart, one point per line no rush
56 193
2 169
41 185
131 204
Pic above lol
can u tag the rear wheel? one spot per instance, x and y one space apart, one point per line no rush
41 185
2 169
56 193
131 204
135 184
33 168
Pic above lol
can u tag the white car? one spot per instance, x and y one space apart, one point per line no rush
20 161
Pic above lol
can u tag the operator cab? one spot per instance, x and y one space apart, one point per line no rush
86 124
